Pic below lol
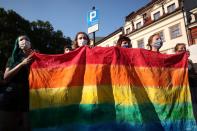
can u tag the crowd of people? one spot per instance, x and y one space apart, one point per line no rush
14 95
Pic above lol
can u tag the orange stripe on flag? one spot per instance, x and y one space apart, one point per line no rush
81 75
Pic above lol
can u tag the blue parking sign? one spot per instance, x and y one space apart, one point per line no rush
93 18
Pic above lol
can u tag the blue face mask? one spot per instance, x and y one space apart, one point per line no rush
126 45
158 43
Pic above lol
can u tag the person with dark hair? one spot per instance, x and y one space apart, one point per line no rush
124 42
155 42
67 49
81 39
14 103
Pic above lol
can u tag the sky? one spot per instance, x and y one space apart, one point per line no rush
70 16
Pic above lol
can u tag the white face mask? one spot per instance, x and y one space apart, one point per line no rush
24 45
82 42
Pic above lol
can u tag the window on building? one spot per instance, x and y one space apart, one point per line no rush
128 30
138 25
175 31
156 15
140 43
171 8
144 17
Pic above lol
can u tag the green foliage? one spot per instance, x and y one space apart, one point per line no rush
41 33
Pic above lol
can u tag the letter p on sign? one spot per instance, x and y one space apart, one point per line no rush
92 21
92 15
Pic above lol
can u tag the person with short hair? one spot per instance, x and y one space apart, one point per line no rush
67 49
124 42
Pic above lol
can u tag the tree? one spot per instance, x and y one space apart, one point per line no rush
41 33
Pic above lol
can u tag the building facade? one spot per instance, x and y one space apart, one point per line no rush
165 17
192 27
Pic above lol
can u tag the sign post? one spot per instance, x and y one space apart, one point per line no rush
92 19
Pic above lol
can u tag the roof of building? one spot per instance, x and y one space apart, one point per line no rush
141 10
150 22
110 35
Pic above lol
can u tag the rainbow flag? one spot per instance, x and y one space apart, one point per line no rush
110 89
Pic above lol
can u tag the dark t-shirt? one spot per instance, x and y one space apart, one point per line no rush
16 96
